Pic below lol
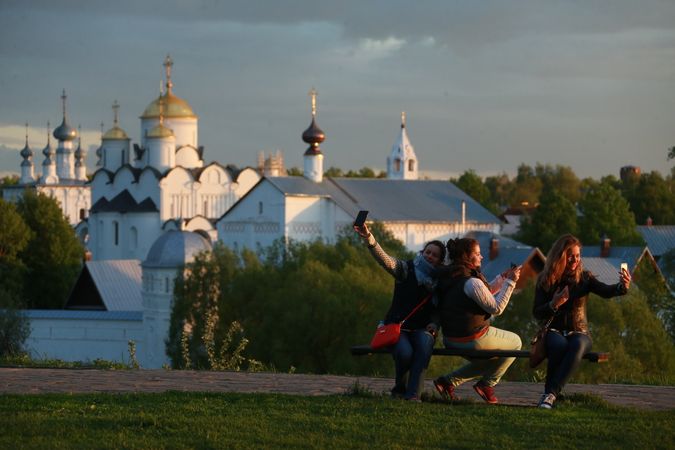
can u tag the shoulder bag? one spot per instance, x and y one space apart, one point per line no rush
388 335
538 342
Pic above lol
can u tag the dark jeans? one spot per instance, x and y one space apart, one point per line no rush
564 355
411 355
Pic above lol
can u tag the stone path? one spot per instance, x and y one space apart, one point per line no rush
40 381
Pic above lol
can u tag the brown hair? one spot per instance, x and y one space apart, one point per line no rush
440 246
556 261
458 252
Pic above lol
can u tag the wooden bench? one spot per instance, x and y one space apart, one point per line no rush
359 350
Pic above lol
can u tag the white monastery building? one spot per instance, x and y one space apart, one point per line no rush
63 174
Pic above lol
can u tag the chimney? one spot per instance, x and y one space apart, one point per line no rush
604 246
494 248
649 221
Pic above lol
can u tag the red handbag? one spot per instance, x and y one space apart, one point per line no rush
387 335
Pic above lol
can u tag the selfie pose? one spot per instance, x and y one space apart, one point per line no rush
414 283
561 294
466 306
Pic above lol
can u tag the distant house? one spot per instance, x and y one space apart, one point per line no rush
604 260
659 238
512 217
500 252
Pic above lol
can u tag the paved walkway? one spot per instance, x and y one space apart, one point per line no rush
40 381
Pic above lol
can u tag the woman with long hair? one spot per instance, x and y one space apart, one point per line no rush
466 306
561 294
414 284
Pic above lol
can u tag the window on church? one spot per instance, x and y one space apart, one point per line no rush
411 165
206 208
260 207
116 233
397 165
166 285
122 157
82 213
133 238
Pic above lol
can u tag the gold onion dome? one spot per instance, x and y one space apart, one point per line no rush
159 132
172 107
115 133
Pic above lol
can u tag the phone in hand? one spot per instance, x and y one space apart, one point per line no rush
624 266
361 218
513 265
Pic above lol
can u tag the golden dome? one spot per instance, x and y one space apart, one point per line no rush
172 106
115 133
158 132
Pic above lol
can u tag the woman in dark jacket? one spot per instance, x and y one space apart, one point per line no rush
466 307
414 283
562 291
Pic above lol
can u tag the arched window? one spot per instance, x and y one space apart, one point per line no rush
260 207
166 285
411 165
116 233
123 155
397 165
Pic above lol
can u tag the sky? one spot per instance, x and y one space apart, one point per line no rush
485 84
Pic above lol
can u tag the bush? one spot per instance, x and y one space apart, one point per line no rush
14 327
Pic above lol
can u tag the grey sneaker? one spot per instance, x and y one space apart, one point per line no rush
547 401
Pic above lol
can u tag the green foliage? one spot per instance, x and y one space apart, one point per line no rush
14 237
659 298
239 421
651 195
472 185
563 178
14 328
526 187
53 256
364 172
294 172
606 212
555 216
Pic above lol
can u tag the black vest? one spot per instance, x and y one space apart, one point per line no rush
460 314
407 295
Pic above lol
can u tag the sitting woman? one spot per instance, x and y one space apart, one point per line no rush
561 294
466 306
414 284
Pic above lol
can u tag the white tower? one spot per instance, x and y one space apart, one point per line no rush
49 165
27 168
178 115
313 158
170 252
160 144
115 144
80 164
402 163
65 134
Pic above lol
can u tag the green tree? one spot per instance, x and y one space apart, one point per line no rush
294 172
14 237
671 153
333 172
472 184
554 216
651 196
526 187
563 178
53 256
605 212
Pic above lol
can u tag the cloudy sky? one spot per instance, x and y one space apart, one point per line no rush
486 85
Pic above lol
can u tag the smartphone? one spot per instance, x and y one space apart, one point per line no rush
361 218
624 266
513 265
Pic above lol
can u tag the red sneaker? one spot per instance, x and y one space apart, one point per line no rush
486 392
446 389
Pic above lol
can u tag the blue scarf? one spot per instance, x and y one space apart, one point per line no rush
426 273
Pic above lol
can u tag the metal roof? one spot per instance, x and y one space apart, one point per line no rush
506 256
659 238
392 200
174 249
124 202
67 314
604 269
484 238
630 255
118 282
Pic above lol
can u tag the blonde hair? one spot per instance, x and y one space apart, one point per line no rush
556 262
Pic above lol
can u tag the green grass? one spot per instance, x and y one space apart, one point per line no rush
189 420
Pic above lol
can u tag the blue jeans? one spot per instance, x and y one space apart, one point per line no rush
412 354
564 355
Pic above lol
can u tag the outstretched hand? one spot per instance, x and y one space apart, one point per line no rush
362 230
625 278
513 273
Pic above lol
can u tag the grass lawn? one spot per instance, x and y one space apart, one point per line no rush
189 420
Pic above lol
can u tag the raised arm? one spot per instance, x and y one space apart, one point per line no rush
397 268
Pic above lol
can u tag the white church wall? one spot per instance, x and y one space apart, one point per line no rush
415 235
114 235
188 157
256 221
124 180
246 179
184 129
148 186
215 194
101 186
177 195
158 284
75 336
75 201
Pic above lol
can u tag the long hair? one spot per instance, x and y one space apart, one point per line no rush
459 251
556 261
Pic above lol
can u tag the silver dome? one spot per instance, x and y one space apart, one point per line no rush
175 249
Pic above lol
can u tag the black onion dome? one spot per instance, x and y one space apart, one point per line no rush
313 136
26 152
65 132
